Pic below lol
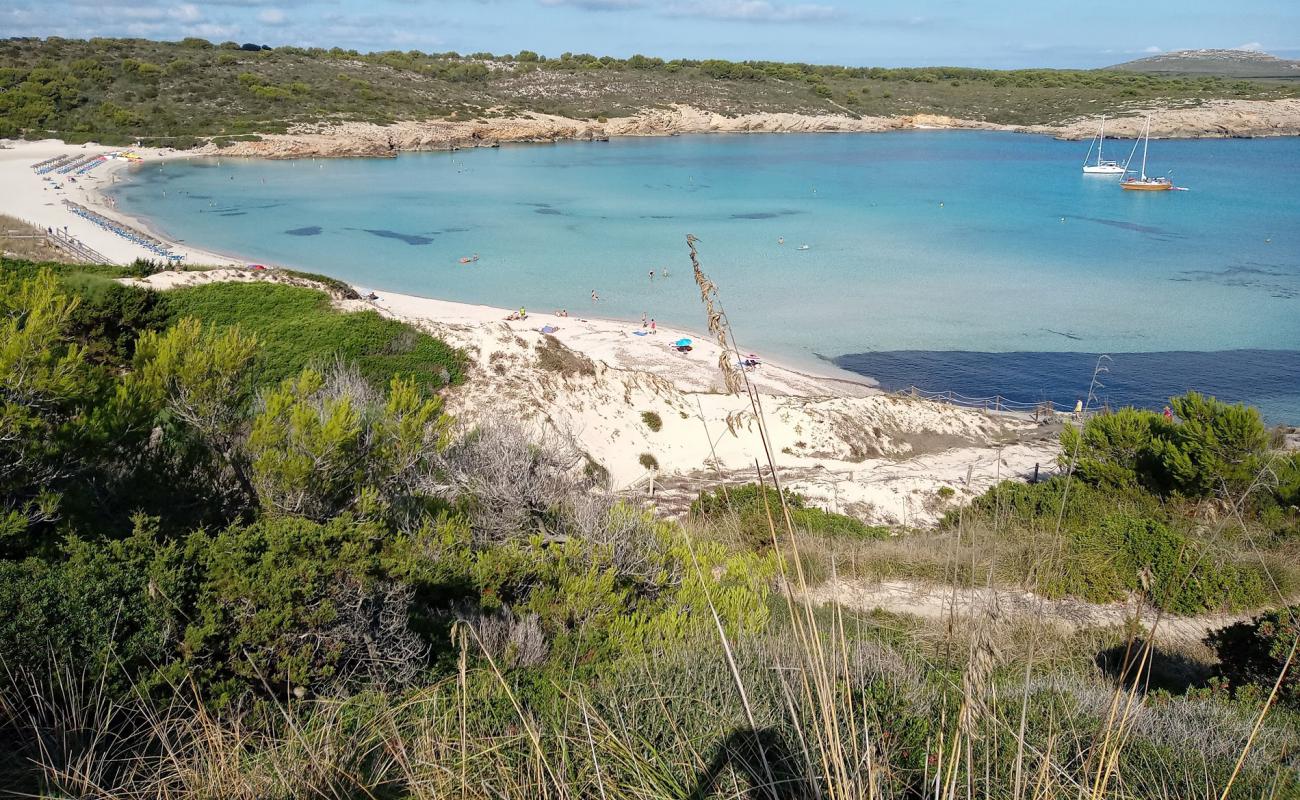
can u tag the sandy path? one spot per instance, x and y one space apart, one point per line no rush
938 602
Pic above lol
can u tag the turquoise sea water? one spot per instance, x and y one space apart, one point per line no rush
918 242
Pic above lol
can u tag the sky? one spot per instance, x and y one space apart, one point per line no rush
977 33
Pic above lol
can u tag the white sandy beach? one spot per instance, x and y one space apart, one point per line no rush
35 200
835 437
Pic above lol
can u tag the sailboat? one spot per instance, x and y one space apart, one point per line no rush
1102 167
1143 183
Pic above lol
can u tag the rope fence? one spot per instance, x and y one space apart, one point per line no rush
1043 409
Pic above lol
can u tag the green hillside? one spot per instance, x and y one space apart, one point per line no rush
120 90
1234 64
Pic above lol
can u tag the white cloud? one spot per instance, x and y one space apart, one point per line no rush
597 5
741 10
272 16
1152 49
753 10
211 30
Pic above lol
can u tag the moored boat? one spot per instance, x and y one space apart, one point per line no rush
1101 166
1143 183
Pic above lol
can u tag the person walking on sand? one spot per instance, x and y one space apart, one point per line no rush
1078 409
653 328
643 322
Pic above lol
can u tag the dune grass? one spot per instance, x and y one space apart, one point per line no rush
297 327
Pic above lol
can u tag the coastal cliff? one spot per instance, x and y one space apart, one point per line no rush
1214 119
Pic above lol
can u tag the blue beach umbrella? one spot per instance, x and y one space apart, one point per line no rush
683 343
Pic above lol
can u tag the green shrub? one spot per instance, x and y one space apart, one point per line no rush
652 421
298 328
648 461
1252 654
1212 449
752 504
1121 554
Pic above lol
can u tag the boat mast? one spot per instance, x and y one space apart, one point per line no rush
1101 138
1146 140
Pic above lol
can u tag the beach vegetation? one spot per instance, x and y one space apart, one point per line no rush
652 420
753 510
298 328
249 560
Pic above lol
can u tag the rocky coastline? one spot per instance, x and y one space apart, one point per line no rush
1215 119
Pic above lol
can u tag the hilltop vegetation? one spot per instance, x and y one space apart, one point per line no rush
1235 64
245 554
121 90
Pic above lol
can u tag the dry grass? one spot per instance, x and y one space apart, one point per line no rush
826 704
20 240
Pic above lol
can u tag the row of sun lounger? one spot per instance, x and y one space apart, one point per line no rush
130 234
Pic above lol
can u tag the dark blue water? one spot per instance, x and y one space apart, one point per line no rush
1268 379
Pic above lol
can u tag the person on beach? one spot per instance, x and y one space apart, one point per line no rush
653 328
523 313
1078 409
1169 414
643 319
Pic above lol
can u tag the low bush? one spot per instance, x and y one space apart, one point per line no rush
298 328
751 506
1252 654
652 421
1212 448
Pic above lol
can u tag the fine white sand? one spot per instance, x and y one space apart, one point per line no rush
843 443
33 199
833 436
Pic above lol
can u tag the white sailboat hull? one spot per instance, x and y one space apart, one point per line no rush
1104 169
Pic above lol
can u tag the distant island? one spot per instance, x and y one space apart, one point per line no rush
247 98
1249 64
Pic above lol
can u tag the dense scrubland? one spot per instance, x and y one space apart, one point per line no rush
180 93
245 554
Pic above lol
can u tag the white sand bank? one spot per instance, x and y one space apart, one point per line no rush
843 443
33 199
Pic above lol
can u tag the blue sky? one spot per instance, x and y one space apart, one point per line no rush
988 33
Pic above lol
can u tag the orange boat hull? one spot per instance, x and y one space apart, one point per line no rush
1147 187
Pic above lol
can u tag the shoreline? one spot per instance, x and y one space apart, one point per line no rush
92 192
589 385
1213 119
